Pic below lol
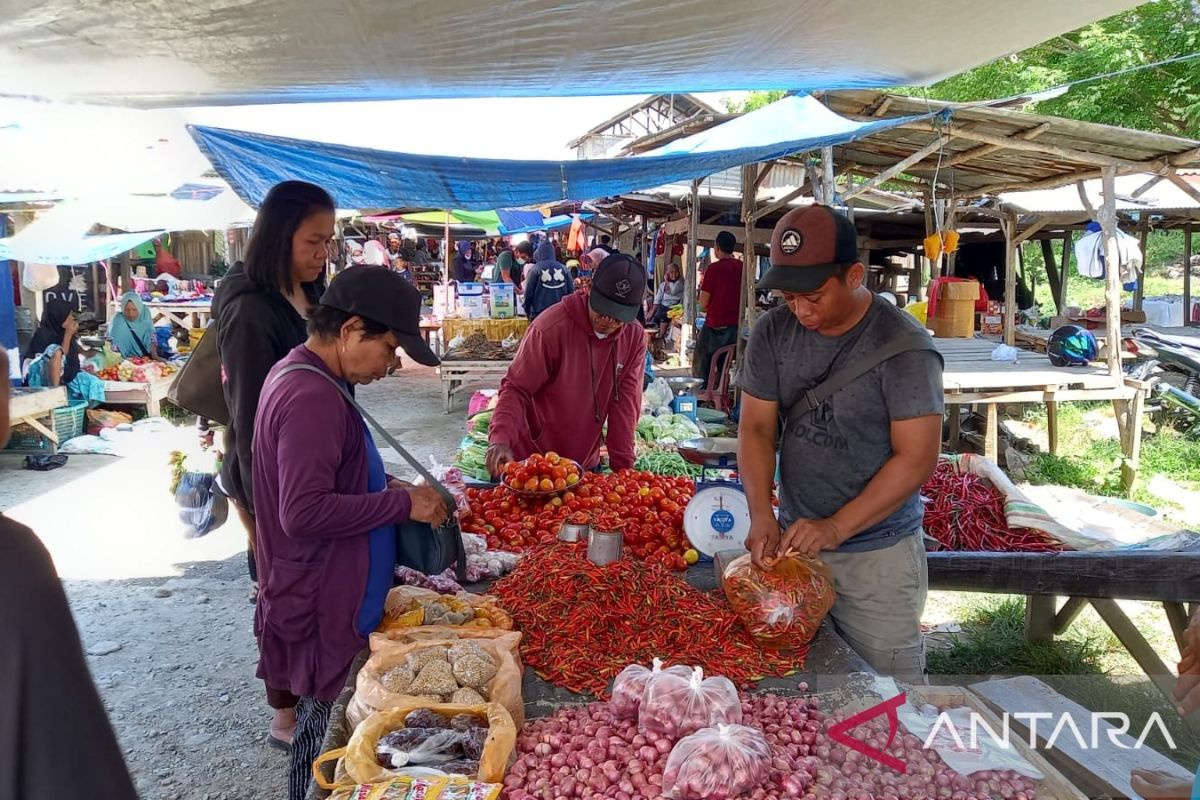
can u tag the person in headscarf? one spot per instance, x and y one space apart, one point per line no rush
549 281
52 357
670 293
592 259
354 252
53 347
376 255
464 269
132 332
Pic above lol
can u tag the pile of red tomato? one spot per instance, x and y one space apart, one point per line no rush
541 473
647 508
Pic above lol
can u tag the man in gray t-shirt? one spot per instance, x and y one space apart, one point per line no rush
850 469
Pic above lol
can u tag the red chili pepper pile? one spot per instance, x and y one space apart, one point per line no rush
647 508
583 624
965 512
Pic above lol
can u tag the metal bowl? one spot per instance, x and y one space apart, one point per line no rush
717 452
573 532
683 384
549 492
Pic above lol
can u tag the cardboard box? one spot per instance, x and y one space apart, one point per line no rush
1093 323
503 300
955 310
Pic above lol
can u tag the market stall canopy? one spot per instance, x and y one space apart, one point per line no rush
276 51
1136 194
60 236
363 178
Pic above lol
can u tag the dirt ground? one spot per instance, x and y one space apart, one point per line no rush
179 681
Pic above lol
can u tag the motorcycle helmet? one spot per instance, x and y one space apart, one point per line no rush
1072 346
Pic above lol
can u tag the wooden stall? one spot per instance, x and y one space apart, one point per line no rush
32 407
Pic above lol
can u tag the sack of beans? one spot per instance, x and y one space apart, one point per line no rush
717 763
675 706
783 605
630 685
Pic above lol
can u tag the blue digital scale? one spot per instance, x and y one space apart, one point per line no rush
717 517
684 402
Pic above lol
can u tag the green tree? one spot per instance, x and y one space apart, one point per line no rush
1164 99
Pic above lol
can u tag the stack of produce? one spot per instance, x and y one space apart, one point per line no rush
138 370
411 606
660 461
780 749
477 347
666 429
472 450
965 512
584 623
541 473
648 509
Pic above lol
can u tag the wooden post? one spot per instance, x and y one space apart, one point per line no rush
689 275
746 306
1143 235
1065 271
446 257
1039 617
827 179
1112 260
1052 274
97 308
1187 274
1010 280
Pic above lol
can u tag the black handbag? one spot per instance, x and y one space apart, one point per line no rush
418 544
197 388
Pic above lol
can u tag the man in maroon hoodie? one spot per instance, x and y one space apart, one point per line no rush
579 368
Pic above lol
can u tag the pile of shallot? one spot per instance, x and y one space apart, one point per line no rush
584 751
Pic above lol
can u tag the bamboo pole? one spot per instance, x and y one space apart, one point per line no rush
1143 238
746 305
1187 274
1112 270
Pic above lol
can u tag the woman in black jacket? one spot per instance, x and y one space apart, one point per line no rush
261 311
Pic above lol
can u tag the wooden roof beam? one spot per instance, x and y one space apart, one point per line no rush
1184 186
973 133
985 149
897 168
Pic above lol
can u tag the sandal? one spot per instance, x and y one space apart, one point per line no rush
253 593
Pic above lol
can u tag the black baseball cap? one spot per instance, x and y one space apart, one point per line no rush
385 298
807 246
618 287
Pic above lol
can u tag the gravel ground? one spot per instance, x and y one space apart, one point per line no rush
166 620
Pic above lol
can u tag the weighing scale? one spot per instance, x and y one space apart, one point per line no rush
717 517
684 402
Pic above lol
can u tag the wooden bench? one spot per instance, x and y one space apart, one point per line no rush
456 374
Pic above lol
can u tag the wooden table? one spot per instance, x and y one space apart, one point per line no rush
496 330
30 406
138 393
456 374
971 377
1098 578
192 316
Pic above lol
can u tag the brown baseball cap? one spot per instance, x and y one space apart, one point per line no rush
807 246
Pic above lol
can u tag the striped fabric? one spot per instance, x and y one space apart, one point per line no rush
312 718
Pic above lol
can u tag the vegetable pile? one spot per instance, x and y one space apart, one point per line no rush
472 450
647 508
782 606
666 429
584 623
666 462
965 512
585 751
541 473
138 369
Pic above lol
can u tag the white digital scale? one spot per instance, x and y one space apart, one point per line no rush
717 517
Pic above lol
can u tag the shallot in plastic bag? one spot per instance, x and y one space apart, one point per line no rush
717 763
675 706
630 685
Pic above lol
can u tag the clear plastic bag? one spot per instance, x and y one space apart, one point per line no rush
630 685
783 606
452 478
657 394
675 706
717 763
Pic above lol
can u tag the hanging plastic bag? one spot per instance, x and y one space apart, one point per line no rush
656 395
675 706
202 509
40 277
717 763
783 606
630 685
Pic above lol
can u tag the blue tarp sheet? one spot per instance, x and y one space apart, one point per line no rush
512 220
364 178
549 223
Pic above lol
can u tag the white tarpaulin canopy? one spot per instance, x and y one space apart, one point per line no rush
151 53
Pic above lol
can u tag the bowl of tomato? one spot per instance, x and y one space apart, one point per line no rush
542 475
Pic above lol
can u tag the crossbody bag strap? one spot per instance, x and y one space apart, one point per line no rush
812 398
387 437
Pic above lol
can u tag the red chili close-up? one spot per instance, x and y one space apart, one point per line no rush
965 512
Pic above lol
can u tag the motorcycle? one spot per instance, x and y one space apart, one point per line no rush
1173 365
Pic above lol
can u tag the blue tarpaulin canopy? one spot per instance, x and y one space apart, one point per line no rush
84 250
364 178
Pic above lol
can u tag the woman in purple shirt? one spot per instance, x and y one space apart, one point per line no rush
326 511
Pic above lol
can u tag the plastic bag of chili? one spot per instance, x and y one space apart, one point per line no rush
782 606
